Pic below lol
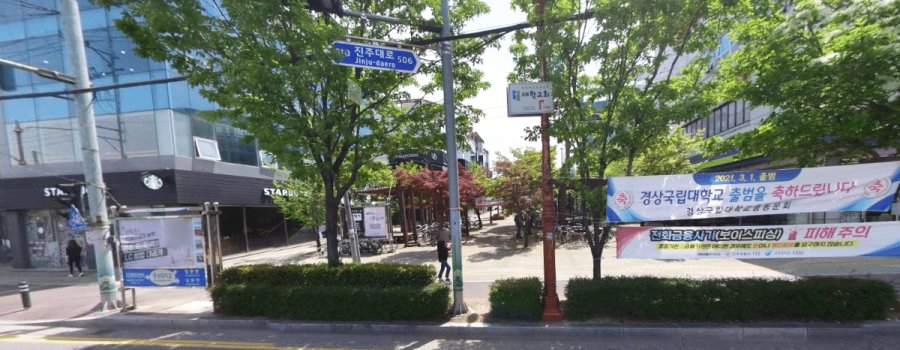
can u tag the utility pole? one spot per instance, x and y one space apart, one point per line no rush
551 299
459 306
93 174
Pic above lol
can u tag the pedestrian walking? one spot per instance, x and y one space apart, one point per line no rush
518 221
73 252
443 251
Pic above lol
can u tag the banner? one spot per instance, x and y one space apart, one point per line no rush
158 248
375 221
760 242
862 187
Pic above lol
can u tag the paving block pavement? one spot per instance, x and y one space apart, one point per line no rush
489 254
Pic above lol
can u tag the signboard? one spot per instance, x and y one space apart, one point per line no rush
165 277
529 99
358 223
164 250
375 220
862 187
377 57
760 242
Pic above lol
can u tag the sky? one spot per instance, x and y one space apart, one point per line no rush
500 132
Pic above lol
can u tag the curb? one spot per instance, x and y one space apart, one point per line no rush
675 332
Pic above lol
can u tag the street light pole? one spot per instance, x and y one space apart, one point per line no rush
551 299
93 174
459 306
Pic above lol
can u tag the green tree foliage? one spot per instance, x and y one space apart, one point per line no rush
630 57
830 72
304 202
518 184
270 66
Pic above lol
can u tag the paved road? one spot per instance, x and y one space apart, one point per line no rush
31 337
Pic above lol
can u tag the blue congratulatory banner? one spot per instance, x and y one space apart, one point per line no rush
164 277
377 57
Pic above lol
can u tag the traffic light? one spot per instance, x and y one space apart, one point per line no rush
326 6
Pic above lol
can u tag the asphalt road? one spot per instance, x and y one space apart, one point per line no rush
31 337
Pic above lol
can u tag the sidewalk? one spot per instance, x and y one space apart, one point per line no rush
491 253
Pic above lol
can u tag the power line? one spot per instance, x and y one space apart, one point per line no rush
94 89
500 30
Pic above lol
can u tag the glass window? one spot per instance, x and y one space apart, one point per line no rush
233 147
46 52
45 25
10 31
140 134
109 137
122 50
57 140
202 128
51 107
93 19
19 109
164 132
178 95
184 142
160 91
138 98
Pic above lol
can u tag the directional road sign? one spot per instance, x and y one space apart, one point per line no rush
377 57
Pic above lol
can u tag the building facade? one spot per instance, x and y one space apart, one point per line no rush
148 135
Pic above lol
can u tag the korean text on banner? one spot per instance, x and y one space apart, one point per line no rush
376 221
862 187
165 251
759 242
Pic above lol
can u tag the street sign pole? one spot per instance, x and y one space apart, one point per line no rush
459 306
551 299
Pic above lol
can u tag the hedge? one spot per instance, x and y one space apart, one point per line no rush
333 302
516 298
371 275
812 298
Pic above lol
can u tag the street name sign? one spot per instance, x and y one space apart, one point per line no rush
377 57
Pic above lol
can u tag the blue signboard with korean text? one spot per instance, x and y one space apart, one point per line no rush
162 251
164 277
377 57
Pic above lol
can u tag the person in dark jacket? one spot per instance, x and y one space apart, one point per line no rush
518 220
73 252
443 250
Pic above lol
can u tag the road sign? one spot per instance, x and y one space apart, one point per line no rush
377 57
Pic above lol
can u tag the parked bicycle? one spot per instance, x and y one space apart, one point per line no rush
369 245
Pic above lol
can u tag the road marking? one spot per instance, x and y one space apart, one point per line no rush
214 344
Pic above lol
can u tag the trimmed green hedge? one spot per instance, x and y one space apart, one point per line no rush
333 302
370 275
813 298
321 292
516 298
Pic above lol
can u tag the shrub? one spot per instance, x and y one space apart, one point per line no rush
333 302
814 298
371 275
516 298
322 292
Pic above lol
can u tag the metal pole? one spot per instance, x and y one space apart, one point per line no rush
551 300
93 174
351 230
459 306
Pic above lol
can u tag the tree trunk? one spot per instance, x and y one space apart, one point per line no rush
632 153
597 241
331 223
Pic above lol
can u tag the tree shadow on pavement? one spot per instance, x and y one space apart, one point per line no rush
411 257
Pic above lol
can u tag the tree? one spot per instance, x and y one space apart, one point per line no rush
303 203
270 66
666 155
433 188
641 82
830 73
518 185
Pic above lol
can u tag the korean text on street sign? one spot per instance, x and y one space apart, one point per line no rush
377 57
529 99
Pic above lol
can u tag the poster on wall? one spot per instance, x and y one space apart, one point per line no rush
861 187
376 221
759 242
162 251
